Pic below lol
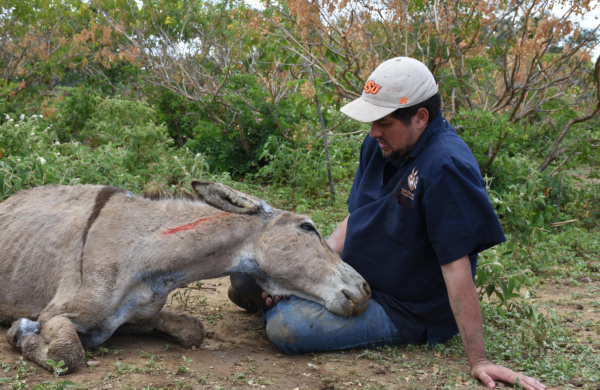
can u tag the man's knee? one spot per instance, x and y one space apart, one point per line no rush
296 326
282 332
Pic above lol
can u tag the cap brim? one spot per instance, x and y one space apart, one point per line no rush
364 111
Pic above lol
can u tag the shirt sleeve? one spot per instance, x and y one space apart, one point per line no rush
460 219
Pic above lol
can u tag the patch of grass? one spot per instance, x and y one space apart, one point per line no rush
210 319
204 379
23 371
151 366
125 368
238 377
183 384
185 367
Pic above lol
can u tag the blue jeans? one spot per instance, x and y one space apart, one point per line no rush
297 325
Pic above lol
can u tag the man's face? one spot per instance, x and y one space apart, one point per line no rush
396 140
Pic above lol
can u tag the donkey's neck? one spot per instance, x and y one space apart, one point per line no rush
201 241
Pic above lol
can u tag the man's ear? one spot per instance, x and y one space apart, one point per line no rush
421 117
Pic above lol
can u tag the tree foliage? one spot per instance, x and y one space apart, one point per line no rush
504 57
237 83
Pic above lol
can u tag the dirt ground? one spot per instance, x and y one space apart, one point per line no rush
237 354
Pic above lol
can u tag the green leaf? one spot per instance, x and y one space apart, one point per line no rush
540 221
40 171
18 184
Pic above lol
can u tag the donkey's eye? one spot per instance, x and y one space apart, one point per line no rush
308 227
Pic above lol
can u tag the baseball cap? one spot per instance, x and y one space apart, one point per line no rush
396 83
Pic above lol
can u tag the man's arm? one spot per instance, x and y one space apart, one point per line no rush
338 237
467 312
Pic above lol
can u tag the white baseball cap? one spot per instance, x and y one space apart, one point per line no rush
396 83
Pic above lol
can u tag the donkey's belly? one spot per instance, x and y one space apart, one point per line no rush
134 308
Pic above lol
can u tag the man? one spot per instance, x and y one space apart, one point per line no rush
418 217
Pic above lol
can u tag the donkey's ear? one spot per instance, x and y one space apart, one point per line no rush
227 199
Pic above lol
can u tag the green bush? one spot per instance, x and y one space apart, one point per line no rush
74 107
480 128
300 164
222 151
125 154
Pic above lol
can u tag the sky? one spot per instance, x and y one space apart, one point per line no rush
591 20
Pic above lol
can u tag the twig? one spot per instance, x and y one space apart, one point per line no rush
556 224
351 133
372 353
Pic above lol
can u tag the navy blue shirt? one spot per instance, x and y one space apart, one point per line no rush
408 217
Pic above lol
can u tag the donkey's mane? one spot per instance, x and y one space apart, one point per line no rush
162 194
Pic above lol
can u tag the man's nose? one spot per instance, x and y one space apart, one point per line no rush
375 131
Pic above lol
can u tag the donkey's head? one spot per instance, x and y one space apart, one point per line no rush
289 256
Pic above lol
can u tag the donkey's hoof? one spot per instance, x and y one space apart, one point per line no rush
191 332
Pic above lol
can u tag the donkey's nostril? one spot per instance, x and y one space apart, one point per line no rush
366 288
347 294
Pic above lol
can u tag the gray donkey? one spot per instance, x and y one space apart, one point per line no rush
76 263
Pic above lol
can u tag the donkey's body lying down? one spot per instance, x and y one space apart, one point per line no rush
76 263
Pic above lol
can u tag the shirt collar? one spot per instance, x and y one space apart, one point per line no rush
438 124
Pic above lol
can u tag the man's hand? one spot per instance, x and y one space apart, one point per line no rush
271 301
487 372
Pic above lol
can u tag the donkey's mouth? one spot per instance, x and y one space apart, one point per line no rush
359 305
353 305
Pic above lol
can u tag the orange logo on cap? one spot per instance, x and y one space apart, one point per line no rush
371 87
403 101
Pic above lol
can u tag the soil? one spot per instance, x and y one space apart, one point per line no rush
237 354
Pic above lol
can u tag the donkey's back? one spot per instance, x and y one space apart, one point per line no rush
41 235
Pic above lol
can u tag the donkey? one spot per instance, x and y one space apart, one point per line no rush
77 263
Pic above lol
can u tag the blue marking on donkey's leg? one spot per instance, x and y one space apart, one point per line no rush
161 283
95 337
125 308
266 207
28 327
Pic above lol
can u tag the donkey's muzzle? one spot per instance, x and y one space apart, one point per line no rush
357 304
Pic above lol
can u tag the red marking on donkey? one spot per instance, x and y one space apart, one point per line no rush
193 225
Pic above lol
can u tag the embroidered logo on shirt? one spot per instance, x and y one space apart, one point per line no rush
404 191
371 87
413 179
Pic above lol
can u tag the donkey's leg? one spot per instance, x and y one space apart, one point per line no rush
55 339
185 330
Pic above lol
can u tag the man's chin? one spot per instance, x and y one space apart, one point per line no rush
393 154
